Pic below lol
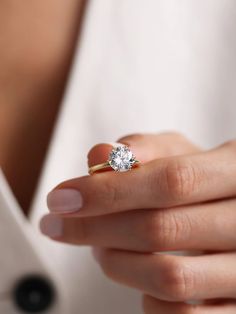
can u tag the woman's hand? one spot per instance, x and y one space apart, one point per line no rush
177 203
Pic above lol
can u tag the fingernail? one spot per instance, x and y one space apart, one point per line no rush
51 226
64 200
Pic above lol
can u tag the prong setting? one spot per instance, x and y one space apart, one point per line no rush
121 158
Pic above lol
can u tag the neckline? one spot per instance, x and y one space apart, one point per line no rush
5 184
51 138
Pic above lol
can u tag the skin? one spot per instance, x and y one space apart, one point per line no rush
126 226
37 43
182 198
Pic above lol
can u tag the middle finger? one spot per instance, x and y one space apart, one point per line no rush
209 226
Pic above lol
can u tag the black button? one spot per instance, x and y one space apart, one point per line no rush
34 294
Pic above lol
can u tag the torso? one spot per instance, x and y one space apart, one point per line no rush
143 68
37 45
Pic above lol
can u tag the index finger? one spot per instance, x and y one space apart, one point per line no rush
160 183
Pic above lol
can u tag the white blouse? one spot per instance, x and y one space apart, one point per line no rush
140 66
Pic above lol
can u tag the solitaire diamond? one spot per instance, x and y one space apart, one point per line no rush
121 159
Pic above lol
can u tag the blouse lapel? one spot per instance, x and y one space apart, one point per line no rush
21 255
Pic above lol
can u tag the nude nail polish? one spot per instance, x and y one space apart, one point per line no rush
64 200
51 226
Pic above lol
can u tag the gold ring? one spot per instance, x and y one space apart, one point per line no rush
120 159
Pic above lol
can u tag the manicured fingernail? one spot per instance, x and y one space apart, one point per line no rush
51 226
64 200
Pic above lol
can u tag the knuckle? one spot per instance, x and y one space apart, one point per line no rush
177 281
150 229
180 179
157 230
176 227
161 230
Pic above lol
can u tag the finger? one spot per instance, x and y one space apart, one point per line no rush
160 183
153 306
146 146
173 278
99 153
209 226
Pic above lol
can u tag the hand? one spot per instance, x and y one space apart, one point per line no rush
177 203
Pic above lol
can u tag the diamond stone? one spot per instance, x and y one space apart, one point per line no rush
121 159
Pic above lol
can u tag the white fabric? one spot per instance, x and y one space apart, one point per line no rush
141 66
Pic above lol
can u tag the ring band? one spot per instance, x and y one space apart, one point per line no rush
120 159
